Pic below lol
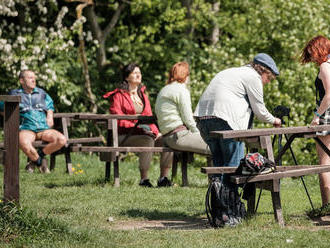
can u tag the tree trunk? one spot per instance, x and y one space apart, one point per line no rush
101 35
216 31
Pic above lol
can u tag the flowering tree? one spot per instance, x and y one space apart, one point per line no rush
33 35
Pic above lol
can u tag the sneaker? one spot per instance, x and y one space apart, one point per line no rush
30 167
145 183
164 182
44 166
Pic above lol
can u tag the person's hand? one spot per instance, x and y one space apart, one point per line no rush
145 127
315 121
50 121
277 122
159 135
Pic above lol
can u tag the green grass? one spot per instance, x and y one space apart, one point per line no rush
58 210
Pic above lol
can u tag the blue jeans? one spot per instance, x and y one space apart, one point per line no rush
225 152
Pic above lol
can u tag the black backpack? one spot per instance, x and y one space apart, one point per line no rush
223 204
254 164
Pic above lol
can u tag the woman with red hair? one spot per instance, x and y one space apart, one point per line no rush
174 113
317 51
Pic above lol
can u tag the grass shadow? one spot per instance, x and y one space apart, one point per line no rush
158 215
77 183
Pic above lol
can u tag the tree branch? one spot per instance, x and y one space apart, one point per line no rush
113 21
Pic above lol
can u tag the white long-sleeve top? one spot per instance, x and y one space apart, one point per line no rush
231 95
173 108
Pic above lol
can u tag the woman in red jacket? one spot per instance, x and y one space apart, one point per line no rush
130 99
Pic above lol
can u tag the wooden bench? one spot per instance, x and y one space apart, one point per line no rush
62 122
261 138
270 182
110 153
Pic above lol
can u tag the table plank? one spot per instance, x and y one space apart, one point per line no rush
8 98
89 116
123 149
281 174
226 169
270 131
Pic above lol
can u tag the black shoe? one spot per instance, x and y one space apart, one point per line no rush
164 182
145 183
30 167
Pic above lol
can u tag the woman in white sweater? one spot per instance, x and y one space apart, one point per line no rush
174 113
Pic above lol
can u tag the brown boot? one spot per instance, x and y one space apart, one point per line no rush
44 166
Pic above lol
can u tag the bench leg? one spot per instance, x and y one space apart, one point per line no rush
107 171
116 173
184 169
174 167
251 202
52 161
277 203
68 161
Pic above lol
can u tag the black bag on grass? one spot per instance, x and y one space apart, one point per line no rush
223 204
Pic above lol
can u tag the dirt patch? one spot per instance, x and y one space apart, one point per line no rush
193 224
161 224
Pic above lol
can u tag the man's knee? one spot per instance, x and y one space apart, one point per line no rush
24 144
61 140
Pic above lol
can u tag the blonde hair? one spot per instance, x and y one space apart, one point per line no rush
179 72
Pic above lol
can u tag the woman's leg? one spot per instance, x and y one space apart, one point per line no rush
166 159
324 159
187 141
144 157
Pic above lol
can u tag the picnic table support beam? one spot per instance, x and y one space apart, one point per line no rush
11 133
324 147
276 199
184 168
67 148
116 172
251 202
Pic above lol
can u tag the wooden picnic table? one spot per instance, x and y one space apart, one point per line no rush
271 181
110 153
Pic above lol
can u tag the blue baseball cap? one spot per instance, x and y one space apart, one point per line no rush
266 61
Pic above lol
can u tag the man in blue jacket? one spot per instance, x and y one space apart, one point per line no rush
36 122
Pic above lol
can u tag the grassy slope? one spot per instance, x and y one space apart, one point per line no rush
82 203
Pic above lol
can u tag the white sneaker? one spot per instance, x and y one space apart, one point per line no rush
44 166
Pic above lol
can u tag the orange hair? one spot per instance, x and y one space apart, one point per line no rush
317 48
179 72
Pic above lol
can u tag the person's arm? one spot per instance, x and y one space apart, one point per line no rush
184 106
50 111
325 103
256 98
116 108
50 118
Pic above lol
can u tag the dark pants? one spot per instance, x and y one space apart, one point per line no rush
225 152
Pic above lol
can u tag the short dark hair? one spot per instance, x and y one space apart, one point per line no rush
22 73
128 69
261 69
